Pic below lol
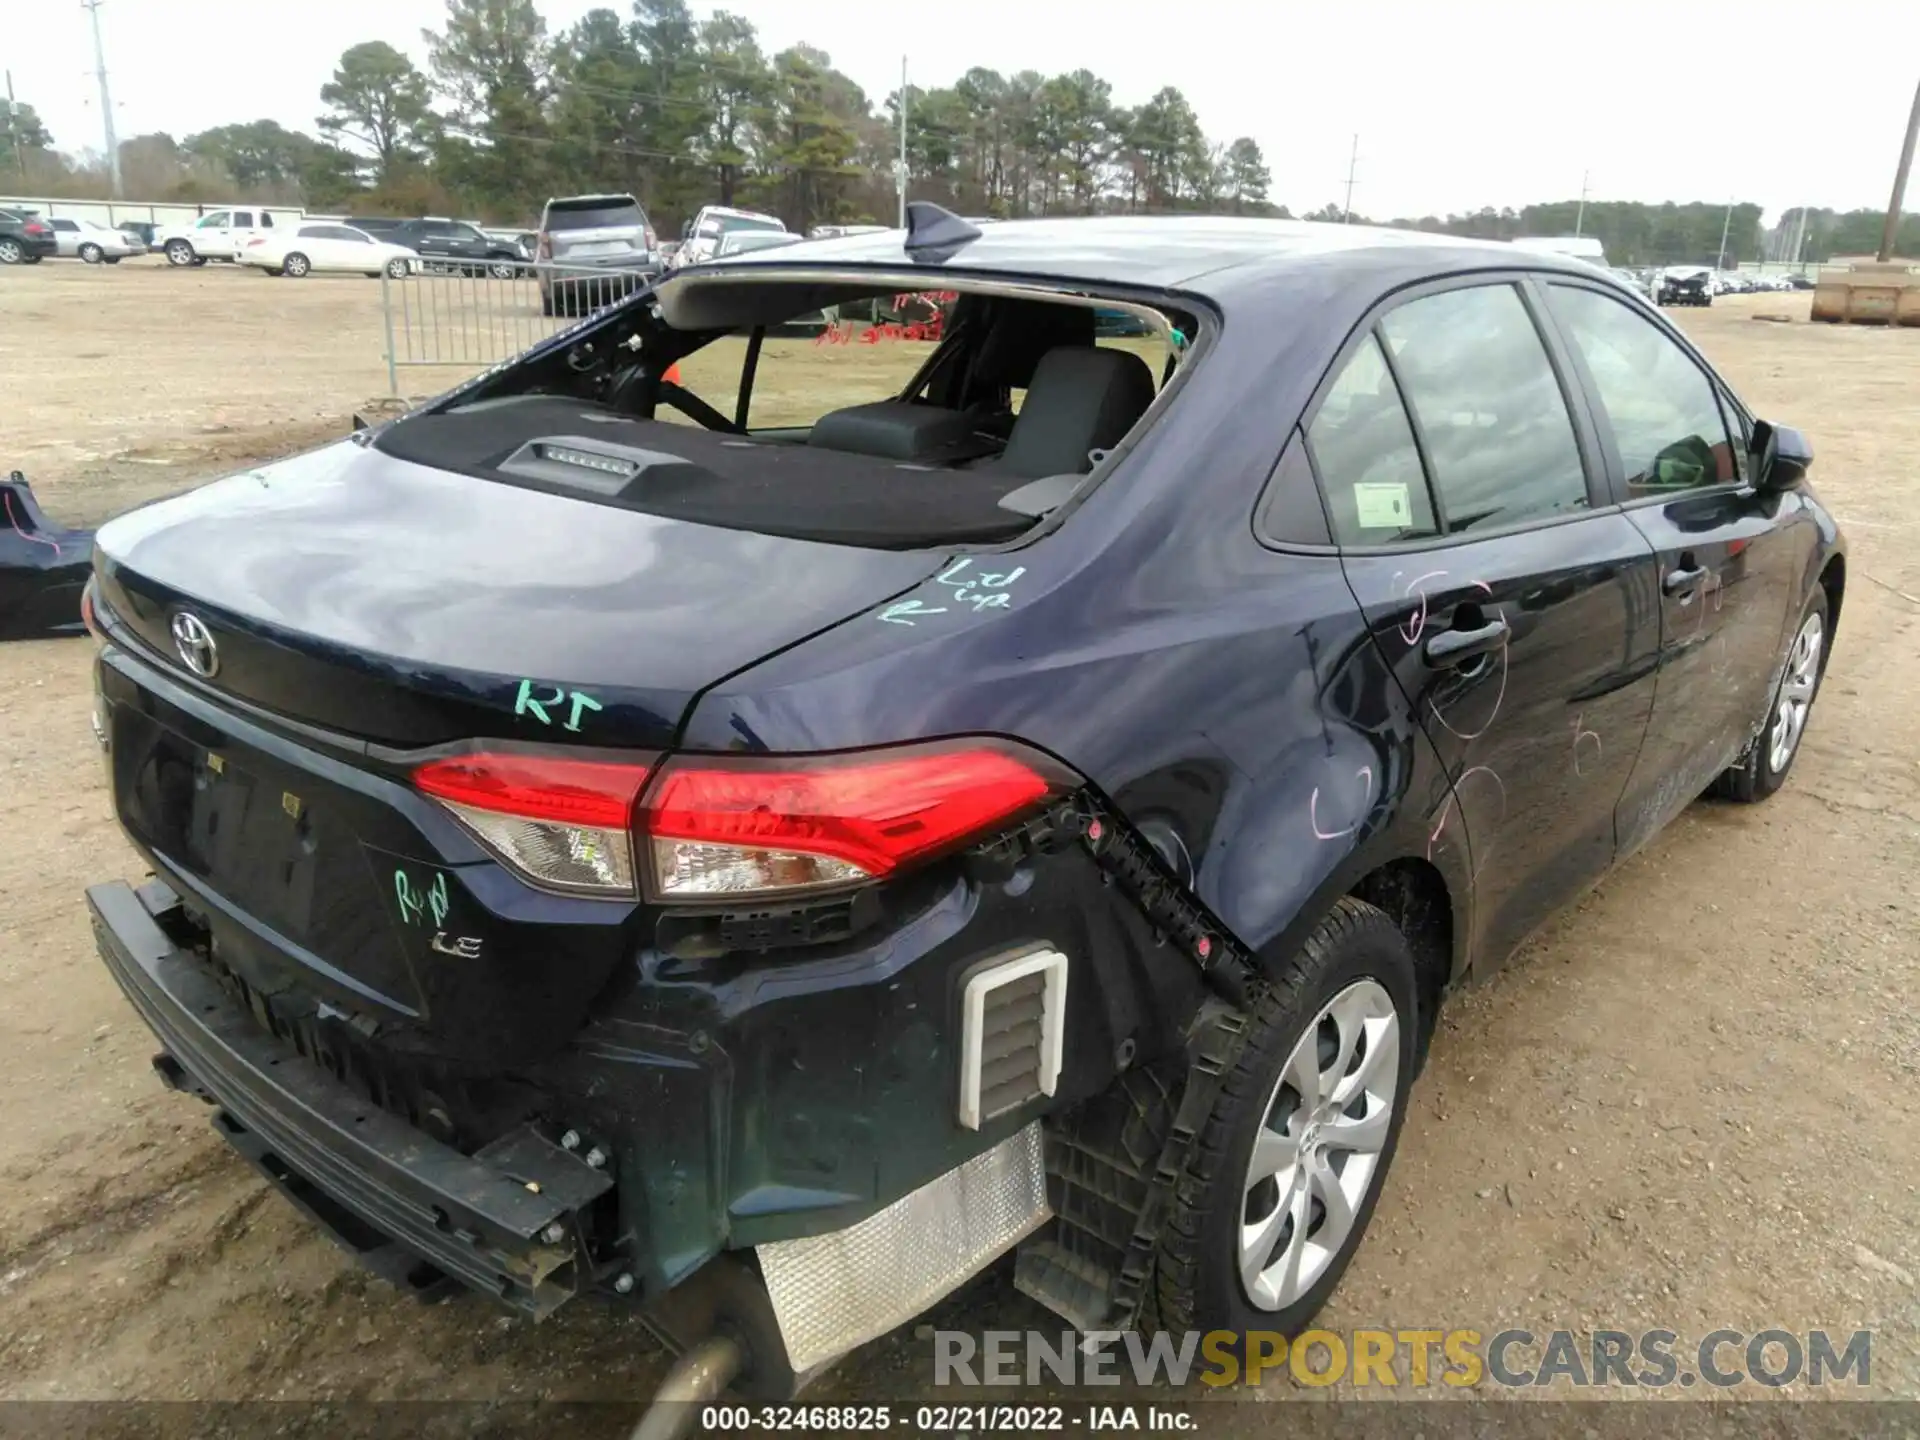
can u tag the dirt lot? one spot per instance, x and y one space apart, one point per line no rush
1693 1102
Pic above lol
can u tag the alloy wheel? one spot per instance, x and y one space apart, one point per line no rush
1796 691
1318 1149
10 252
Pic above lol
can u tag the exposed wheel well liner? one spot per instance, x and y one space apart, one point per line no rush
1414 894
1833 580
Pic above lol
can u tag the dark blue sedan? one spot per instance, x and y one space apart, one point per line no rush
764 872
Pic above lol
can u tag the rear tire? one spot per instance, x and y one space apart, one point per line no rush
1767 762
396 269
12 252
115 259
296 266
91 254
1271 1190
502 269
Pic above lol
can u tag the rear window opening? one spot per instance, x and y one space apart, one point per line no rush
592 214
842 412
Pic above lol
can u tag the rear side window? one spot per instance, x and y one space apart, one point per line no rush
1364 454
243 219
1665 417
1476 376
590 217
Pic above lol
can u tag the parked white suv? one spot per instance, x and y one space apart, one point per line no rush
219 235
703 232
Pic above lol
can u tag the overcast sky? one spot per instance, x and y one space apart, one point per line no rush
1457 105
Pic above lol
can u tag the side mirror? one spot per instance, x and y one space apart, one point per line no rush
1782 457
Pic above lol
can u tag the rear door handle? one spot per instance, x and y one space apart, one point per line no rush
1682 580
1456 647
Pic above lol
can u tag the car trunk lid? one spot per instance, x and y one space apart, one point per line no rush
406 605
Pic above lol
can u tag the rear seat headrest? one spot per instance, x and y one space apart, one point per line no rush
1019 334
1080 401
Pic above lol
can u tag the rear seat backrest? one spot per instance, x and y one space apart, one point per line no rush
1080 400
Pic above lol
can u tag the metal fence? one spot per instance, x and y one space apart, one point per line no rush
471 316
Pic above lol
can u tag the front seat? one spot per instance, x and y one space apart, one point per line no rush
1080 401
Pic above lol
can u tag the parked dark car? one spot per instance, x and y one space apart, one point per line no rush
25 238
764 873
43 567
456 245
1686 287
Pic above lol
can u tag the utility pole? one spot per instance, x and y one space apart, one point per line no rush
903 142
1726 226
13 126
1353 163
1580 215
1892 227
1799 236
92 7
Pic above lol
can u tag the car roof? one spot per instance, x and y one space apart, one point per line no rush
731 210
1212 255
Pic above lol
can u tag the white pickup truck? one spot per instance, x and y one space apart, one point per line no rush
217 235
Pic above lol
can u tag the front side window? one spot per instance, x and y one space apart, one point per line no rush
266 221
1665 417
215 221
1364 454
1476 375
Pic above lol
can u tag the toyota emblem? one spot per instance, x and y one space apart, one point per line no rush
194 642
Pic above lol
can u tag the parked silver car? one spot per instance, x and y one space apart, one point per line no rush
593 250
93 242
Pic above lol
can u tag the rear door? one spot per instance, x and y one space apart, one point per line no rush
1513 606
1677 449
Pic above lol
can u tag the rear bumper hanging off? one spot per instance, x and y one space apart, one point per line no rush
509 1221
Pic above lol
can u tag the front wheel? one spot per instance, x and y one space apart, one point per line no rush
1763 768
92 254
179 252
296 265
1289 1165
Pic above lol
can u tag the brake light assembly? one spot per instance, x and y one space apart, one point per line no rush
710 829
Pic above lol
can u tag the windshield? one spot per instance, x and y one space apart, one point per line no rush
593 214
755 240
728 224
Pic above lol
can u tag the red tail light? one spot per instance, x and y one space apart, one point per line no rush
718 827
87 616
562 823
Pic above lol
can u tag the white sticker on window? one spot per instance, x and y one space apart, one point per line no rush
1383 507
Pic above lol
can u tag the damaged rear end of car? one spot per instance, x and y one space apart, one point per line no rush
513 905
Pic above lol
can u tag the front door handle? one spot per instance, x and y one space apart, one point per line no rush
1456 647
1679 581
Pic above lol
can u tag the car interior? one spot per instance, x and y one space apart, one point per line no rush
1012 409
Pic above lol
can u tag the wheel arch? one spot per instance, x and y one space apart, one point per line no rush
1414 894
1833 580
